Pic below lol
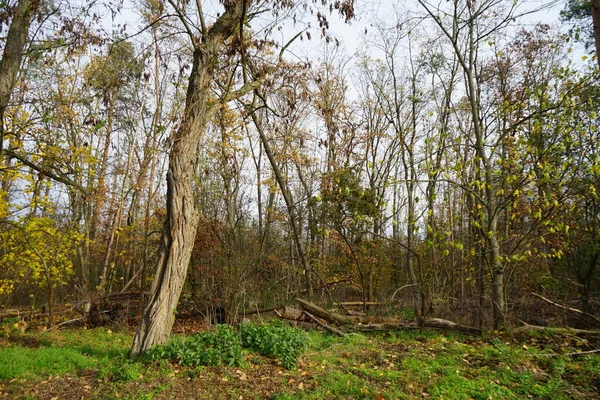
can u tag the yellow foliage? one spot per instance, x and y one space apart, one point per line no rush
36 250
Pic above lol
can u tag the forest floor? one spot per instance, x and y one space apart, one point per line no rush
409 364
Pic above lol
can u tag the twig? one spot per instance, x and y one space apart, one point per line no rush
575 310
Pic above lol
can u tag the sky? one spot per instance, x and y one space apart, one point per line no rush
351 36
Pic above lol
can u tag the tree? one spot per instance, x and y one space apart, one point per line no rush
12 56
182 215
39 251
580 12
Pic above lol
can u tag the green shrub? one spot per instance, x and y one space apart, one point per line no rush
276 340
219 347
223 346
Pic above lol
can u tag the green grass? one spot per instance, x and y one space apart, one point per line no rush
393 365
65 352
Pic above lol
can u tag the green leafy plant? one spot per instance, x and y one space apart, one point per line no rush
284 343
219 347
224 345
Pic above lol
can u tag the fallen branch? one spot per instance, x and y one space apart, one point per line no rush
575 310
403 287
433 323
64 323
330 317
360 303
324 326
356 324
556 330
263 310
577 353
449 325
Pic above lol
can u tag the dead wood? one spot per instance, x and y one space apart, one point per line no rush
440 323
324 326
262 310
358 325
359 303
556 330
14 312
71 321
328 316
575 310
436 323
384 327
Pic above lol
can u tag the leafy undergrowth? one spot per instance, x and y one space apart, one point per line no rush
395 365
225 345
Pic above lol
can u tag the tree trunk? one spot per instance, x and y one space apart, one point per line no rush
12 56
289 202
181 223
596 23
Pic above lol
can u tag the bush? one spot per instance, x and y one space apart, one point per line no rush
277 341
223 346
219 347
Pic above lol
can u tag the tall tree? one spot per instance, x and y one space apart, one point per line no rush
182 215
12 56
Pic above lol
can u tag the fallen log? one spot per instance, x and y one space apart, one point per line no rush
357 324
359 303
384 327
13 312
556 330
433 323
440 323
328 316
324 326
263 310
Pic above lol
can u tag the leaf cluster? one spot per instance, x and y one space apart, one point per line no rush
224 345
37 250
277 341
344 202
579 13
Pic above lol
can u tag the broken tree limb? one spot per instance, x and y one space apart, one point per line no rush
324 326
434 323
357 325
71 321
575 310
403 287
263 310
556 330
359 303
330 317
440 323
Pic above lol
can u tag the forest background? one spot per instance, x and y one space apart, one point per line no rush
450 166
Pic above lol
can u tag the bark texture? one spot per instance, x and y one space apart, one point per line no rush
10 64
596 24
180 227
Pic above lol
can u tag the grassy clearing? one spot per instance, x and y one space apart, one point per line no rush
395 365
34 356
